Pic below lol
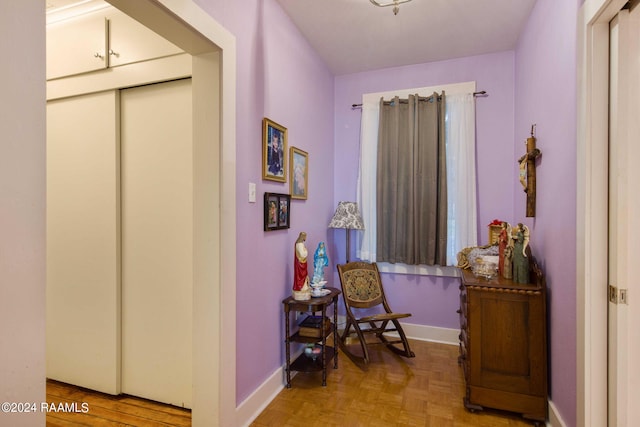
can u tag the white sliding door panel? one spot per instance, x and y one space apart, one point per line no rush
83 290
157 241
624 217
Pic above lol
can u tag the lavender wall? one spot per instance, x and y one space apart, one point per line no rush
545 89
22 209
433 301
280 77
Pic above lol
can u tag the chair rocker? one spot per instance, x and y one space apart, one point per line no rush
362 289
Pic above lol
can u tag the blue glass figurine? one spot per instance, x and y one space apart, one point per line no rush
320 261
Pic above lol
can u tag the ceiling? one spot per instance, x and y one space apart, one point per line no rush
57 10
354 35
56 4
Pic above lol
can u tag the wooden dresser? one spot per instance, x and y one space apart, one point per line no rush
503 344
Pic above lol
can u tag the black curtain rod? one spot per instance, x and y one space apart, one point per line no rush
420 98
481 93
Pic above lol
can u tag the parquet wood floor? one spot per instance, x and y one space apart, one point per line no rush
107 410
423 391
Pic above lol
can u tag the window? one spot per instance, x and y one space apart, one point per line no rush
461 176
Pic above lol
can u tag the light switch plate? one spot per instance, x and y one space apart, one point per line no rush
252 192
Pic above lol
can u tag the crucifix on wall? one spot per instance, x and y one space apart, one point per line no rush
528 172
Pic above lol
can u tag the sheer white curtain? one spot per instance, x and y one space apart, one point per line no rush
461 175
366 192
460 137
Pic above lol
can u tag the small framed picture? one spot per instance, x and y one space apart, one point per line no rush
299 173
277 211
274 150
284 212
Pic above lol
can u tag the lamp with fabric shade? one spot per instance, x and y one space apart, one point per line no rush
347 216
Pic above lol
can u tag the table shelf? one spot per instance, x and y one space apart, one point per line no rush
304 363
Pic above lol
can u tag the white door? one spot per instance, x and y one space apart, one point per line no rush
157 241
83 288
624 218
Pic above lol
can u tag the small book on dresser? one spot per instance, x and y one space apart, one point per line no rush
311 326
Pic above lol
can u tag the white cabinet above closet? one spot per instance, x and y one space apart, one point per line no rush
130 41
100 39
77 45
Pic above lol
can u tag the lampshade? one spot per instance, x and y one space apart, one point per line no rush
347 216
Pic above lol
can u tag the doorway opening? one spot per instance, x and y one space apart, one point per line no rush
212 50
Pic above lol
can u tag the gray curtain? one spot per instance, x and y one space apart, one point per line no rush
412 181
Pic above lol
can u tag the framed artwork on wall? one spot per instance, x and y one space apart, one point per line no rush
274 149
299 173
277 211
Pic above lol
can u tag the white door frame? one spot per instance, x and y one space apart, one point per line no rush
213 49
592 209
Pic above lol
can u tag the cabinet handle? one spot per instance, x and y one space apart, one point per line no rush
112 53
98 55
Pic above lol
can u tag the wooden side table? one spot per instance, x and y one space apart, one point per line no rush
303 363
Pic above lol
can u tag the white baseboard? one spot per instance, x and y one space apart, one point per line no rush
253 405
555 420
431 333
421 332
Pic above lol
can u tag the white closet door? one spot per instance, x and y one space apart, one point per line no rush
624 217
157 241
83 290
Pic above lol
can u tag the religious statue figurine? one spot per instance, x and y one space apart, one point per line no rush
507 272
301 289
527 172
520 259
504 240
320 261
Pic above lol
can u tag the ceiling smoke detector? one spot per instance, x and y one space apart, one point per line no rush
395 3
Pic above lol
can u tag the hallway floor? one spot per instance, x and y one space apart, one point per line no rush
423 391
106 410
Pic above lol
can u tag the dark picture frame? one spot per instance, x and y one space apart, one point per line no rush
298 173
274 151
277 211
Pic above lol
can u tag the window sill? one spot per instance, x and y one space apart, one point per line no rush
419 270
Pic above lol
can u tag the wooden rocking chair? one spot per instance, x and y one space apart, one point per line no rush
362 289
